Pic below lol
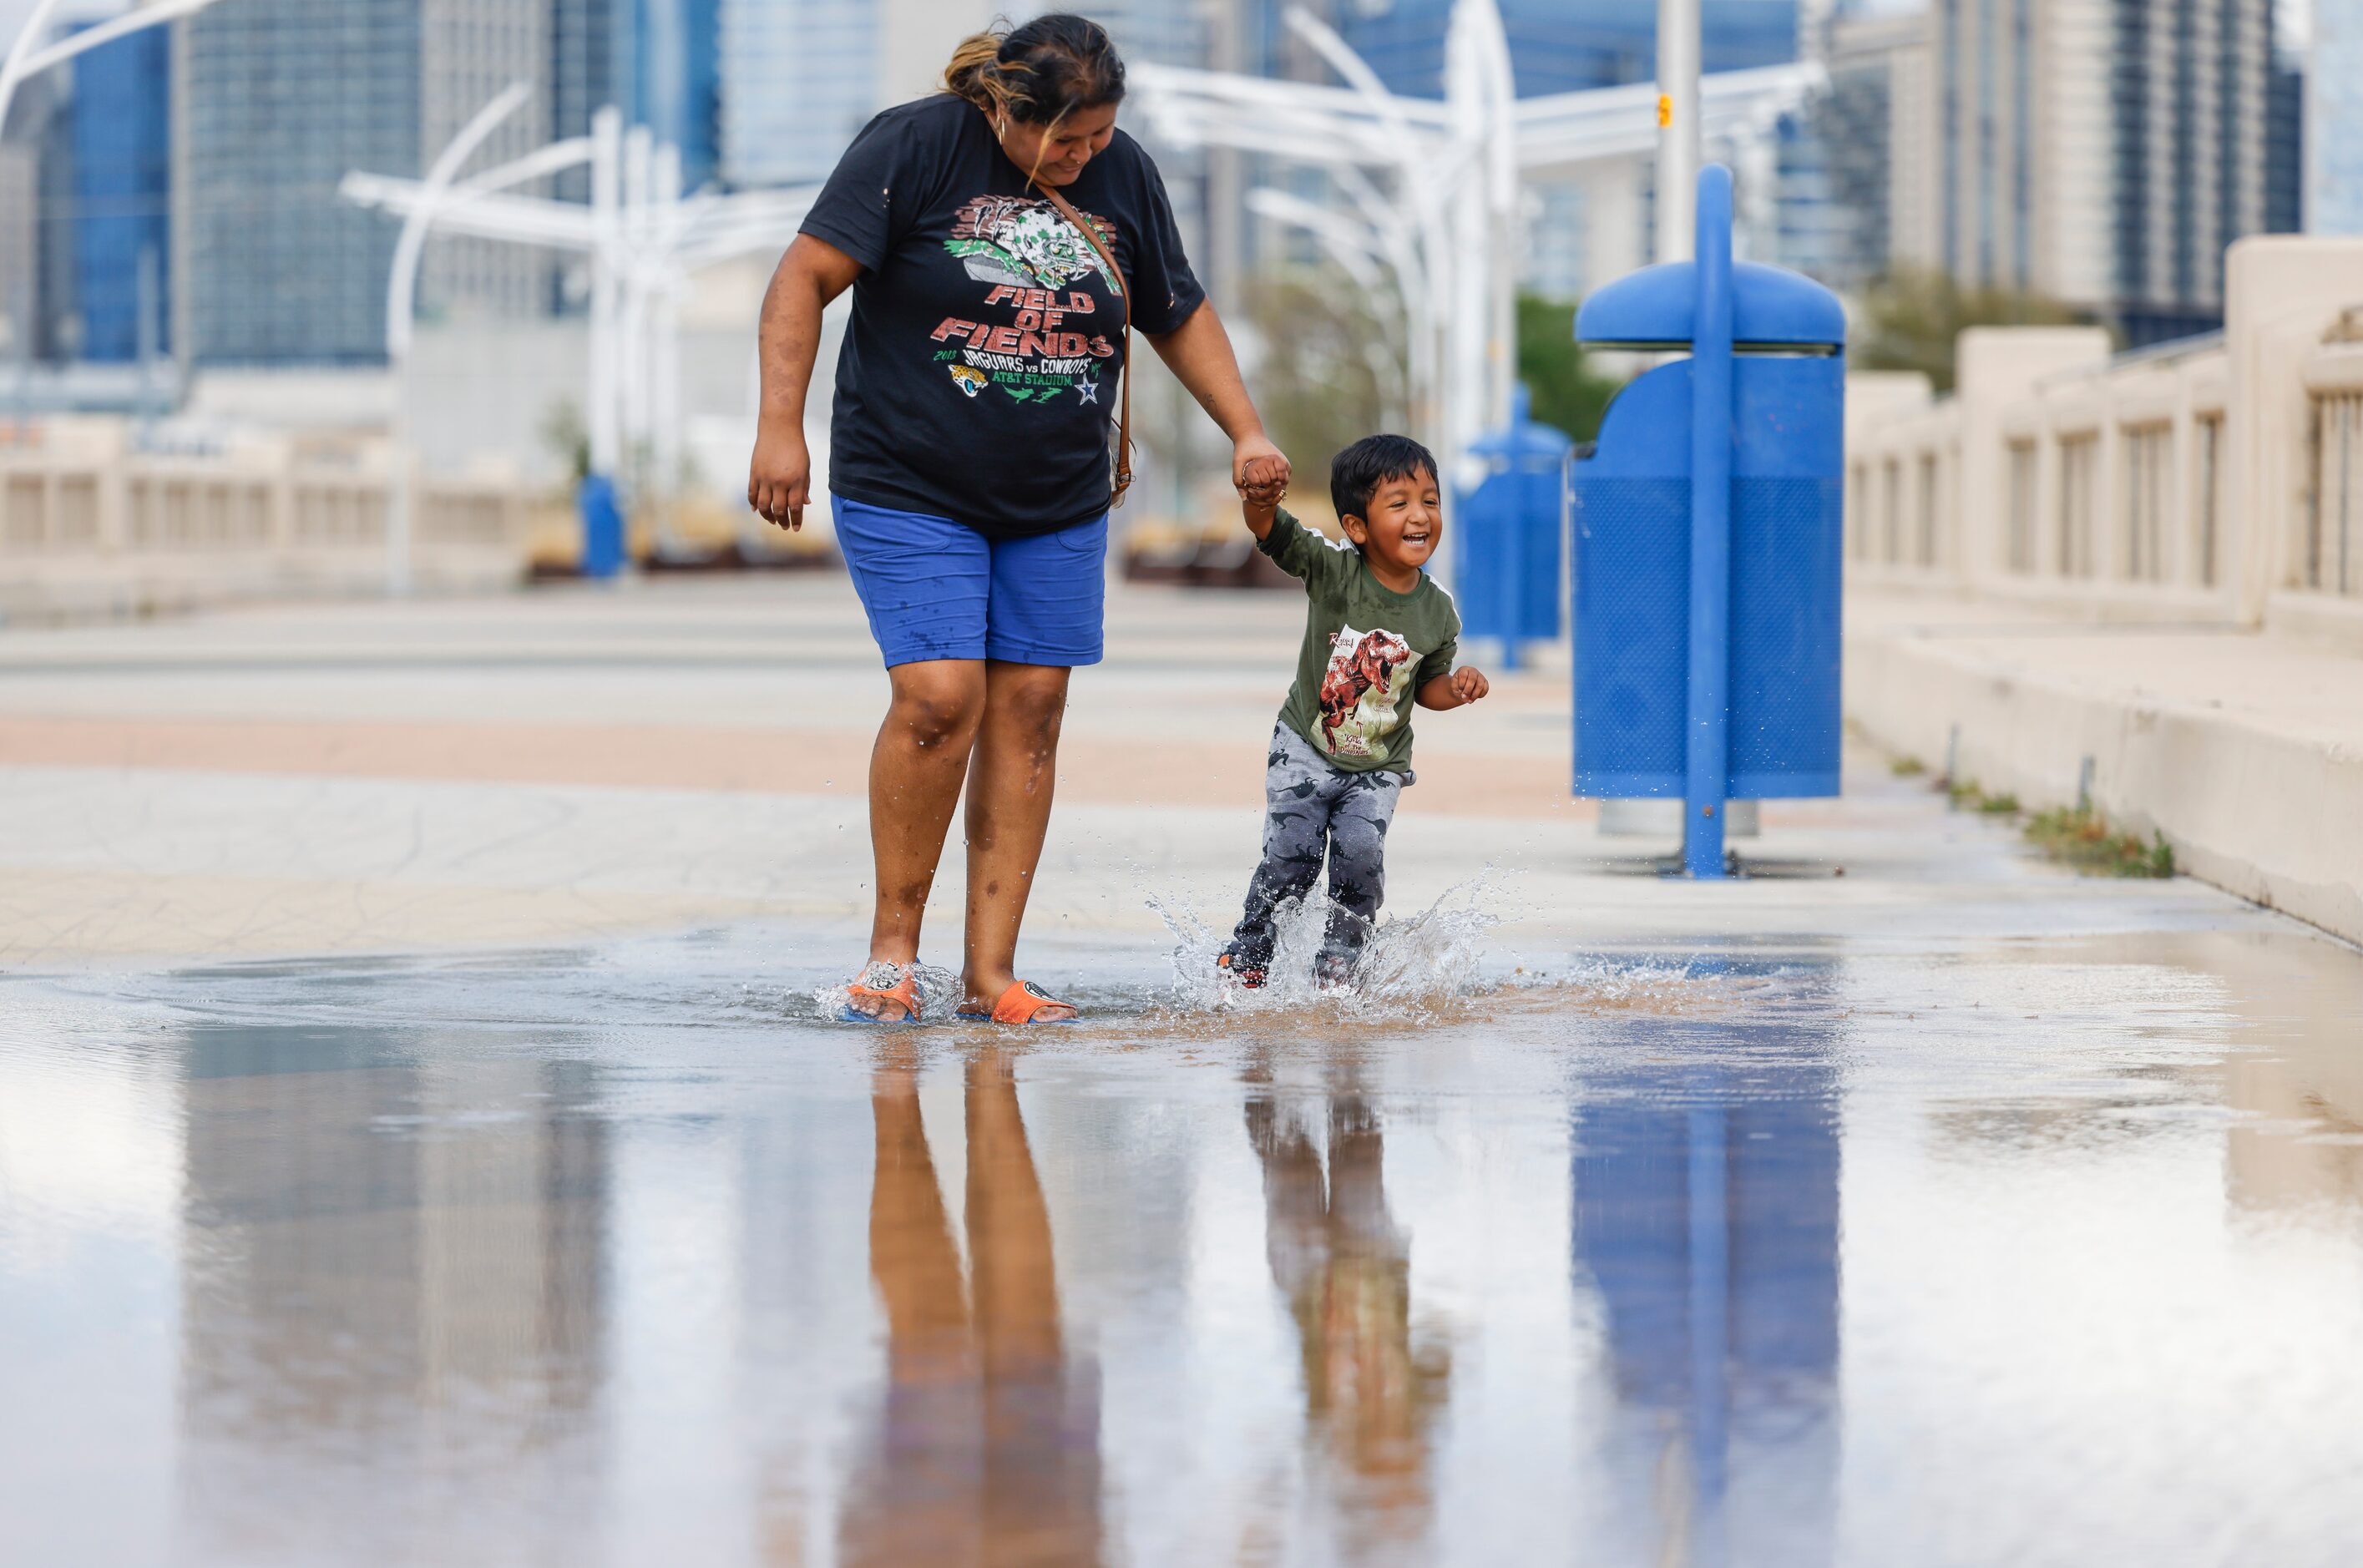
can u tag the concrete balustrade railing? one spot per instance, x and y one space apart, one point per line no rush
2215 480
91 525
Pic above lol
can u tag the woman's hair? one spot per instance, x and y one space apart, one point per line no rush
1039 72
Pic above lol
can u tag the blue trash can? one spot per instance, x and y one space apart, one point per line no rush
1506 571
603 527
1706 545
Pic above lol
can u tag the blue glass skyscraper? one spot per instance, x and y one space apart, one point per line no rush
658 62
802 77
2333 145
122 120
275 102
1565 46
670 79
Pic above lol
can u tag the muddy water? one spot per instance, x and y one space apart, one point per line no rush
1995 1252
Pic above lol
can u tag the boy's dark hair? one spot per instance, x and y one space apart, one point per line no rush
1355 473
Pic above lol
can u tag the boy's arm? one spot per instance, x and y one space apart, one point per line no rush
1260 495
1459 689
1444 686
1261 506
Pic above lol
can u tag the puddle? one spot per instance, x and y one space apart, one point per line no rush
1967 1252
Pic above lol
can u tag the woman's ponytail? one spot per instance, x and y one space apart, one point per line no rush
971 73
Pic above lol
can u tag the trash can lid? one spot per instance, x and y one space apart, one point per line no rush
1771 308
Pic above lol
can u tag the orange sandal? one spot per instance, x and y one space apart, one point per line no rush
1019 1004
883 982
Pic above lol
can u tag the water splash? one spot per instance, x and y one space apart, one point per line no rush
1414 967
1431 967
939 995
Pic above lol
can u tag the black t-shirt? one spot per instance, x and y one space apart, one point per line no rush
979 375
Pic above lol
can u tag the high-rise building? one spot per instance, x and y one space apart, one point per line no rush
2333 122
47 107
1162 32
798 78
36 220
123 191
274 102
583 66
2285 144
669 77
658 62
1587 226
469 52
20 264
1871 130
2103 152
1563 46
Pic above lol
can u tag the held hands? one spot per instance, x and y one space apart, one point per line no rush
779 480
1256 462
1261 496
1260 474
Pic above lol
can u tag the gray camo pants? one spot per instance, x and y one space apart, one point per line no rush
1315 809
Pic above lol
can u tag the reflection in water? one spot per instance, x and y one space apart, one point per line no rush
987 1449
2301 1080
1344 1266
393 1273
298 1269
1706 1215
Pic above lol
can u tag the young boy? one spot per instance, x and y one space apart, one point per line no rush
1378 634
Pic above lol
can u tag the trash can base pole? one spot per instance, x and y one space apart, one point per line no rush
1706 744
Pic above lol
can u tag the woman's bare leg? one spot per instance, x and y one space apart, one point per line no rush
1009 791
916 771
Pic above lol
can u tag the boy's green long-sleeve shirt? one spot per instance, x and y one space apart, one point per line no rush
1367 649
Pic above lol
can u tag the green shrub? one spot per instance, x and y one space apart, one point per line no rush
2082 839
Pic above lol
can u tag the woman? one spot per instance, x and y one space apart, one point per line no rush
969 451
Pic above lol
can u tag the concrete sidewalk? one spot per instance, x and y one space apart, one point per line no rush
571 765
2244 749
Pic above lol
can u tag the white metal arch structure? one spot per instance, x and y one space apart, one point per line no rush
400 305
1432 186
23 59
643 238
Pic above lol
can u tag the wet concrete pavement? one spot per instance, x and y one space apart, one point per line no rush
1954 1211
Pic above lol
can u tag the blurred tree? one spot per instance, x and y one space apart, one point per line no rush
1568 393
1911 319
1327 374
566 437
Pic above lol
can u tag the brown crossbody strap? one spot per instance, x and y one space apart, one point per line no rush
1089 231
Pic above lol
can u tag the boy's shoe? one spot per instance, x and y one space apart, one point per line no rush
1237 965
1333 971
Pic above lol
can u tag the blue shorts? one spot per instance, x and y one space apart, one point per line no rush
937 589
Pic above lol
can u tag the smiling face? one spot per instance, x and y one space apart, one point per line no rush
1056 152
1402 525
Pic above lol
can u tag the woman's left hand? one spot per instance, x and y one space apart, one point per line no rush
1256 452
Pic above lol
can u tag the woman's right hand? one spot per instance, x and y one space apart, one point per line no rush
779 481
